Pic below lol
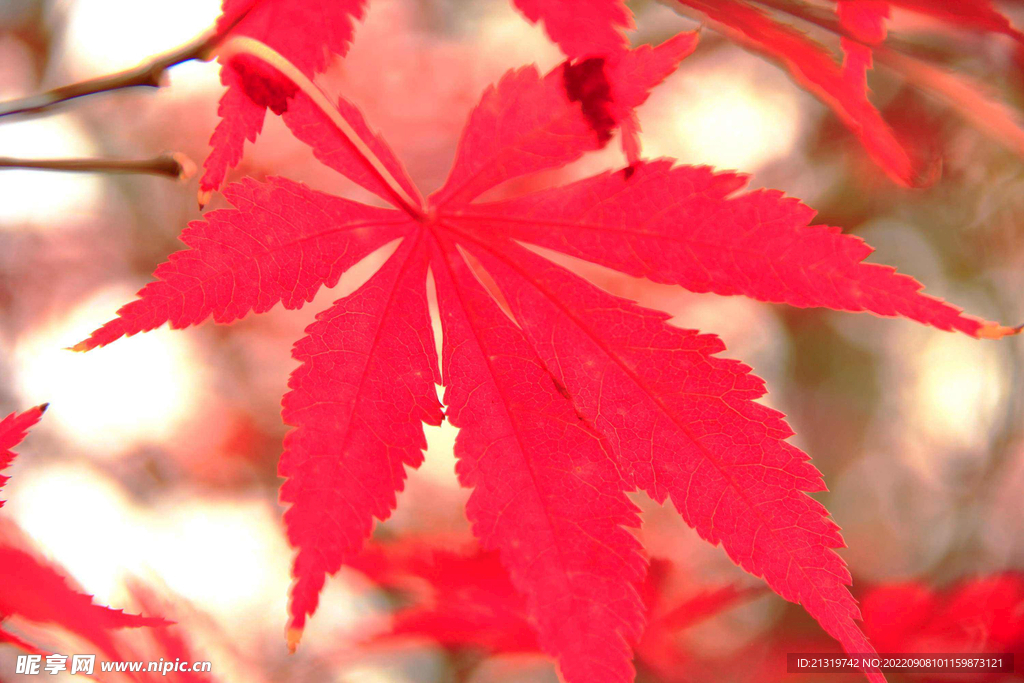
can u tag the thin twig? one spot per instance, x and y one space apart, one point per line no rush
149 74
401 198
170 165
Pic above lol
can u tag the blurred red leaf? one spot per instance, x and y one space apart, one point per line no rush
975 615
975 14
865 20
843 88
978 614
814 68
38 592
460 596
170 639
22 645
42 602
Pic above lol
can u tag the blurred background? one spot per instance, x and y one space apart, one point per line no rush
157 459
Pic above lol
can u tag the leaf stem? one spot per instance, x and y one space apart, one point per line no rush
148 74
169 165
243 45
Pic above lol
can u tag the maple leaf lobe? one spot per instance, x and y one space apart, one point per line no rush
280 243
13 430
357 401
581 27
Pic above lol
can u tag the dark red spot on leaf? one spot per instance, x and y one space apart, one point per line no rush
587 83
263 85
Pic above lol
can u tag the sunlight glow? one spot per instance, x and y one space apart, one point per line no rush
731 116
503 32
227 556
958 388
81 519
139 390
439 464
110 35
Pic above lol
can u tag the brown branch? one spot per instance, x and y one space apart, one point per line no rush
169 165
149 74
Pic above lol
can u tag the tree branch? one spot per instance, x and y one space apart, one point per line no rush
169 165
149 74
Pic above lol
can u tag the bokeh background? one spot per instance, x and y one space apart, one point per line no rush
157 459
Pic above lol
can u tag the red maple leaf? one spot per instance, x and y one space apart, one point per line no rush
567 398
13 429
808 61
52 612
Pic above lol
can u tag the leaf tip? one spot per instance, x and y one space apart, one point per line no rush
204 198
293 636
43 406
997 331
